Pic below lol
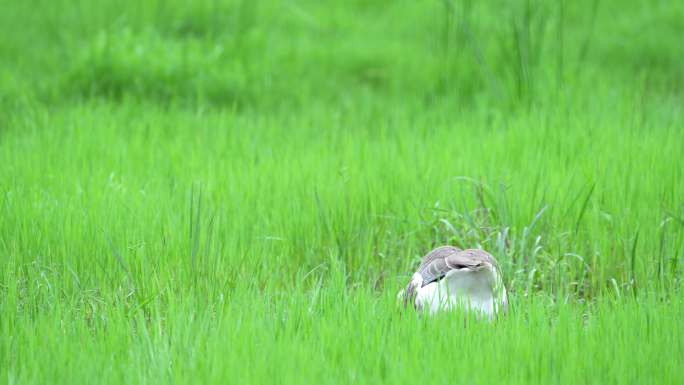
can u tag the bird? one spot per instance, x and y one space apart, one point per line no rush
449 277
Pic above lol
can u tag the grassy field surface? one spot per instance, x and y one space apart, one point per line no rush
235 191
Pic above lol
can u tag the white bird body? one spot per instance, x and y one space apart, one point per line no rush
449 278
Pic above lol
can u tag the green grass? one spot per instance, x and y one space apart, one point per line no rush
224 192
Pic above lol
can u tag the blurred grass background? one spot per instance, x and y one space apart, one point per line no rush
186 166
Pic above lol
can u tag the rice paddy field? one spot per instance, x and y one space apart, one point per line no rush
218 192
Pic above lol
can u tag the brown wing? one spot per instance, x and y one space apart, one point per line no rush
437 268
434 264
438 253
473 257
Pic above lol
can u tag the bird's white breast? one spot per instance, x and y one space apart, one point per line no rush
470 289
